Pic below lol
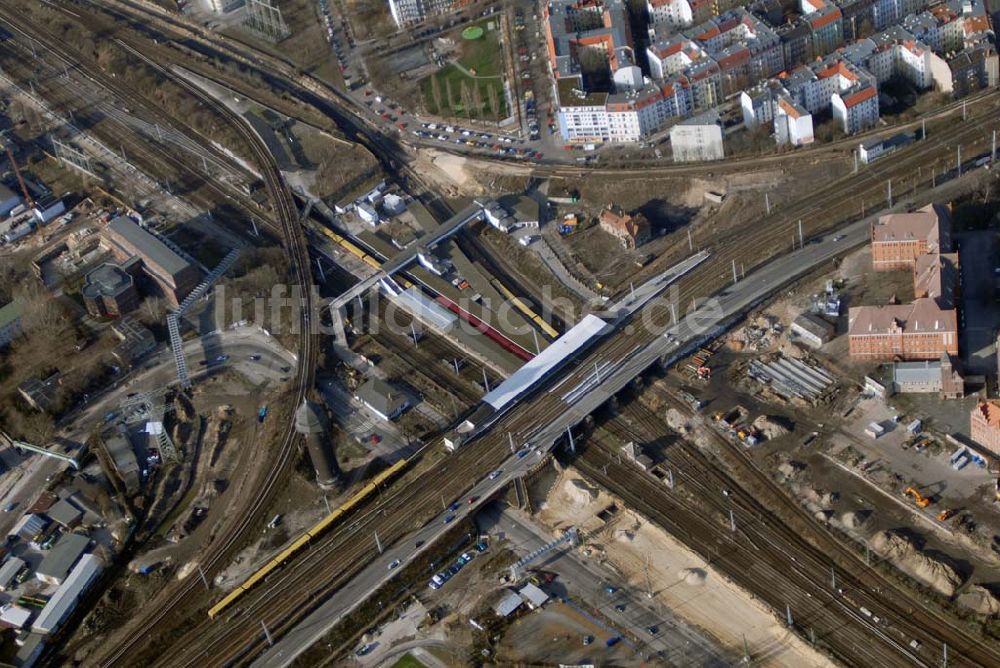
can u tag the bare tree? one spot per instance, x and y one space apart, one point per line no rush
466 99
152 310
477 99
436 93
494 101
451 97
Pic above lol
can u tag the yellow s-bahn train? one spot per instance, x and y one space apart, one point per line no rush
356 250
548 329
314 532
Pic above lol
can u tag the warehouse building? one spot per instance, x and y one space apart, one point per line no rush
11 568
65 600
173 274
29 527
928 377
9 200
65 514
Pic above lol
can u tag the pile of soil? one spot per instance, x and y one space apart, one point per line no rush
772 427
580 492
906 555
678 421
856 520
980 599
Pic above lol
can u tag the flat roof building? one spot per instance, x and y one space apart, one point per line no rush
136 340
61 558
812 329
109 290
68 595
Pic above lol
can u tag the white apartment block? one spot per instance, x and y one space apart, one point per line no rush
673 56
676 13
406 12
793 125
698 138
622 117
857 109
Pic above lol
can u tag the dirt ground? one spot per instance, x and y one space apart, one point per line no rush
845 477
681 580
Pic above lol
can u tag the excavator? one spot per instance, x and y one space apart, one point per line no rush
919 499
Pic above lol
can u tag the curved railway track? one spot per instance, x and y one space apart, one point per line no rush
287 226
296 588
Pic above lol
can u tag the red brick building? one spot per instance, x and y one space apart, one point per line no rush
918 331
171 273
984 425
898 239
631 230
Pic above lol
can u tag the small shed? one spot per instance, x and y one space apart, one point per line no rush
508 604
812 329
533 596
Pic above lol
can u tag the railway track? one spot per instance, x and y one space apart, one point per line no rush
285 222
783 566
241 637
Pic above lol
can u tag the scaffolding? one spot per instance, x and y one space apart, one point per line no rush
263 20
151 407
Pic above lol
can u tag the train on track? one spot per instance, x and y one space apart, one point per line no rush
548 329
302 541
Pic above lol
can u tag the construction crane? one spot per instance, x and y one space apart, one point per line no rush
29 202
919 499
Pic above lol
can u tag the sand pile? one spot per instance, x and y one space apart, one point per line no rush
906 556
678 421
790 469
980 599
580 492
856 520
771 426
